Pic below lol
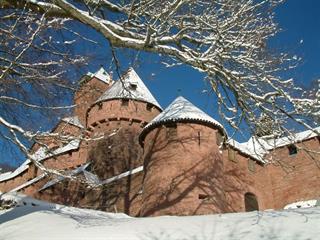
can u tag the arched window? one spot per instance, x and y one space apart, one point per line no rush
250 202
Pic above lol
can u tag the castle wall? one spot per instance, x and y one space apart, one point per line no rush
121 151
295 177
58 162
122 195
183 171
244 175
114 109
86 95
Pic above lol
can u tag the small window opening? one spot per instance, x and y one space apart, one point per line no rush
232 155
171 130
219 138
149 107
133 86
88 168
251 202
99 106
203 196
292 149
251 165
125 102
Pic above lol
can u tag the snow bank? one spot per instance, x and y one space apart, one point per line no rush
40 220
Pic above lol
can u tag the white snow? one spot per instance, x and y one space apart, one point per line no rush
182 109
40 155
61 178
74 120
303 204
257 148
129 87
34 219
92 178
102 75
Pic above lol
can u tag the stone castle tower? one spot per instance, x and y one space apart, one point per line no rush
143 161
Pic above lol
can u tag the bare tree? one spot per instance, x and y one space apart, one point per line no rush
36 56
225 39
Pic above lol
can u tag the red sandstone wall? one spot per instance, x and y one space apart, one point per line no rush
297 177
239 180
86 95
183 172
113 109
120 152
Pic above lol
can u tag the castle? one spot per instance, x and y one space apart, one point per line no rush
145 161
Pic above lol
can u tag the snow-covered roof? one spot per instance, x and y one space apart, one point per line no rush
74 120
37 220
40 155
130 86
61 178
181 109
257 148
102 75
92 178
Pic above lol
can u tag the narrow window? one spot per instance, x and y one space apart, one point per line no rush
250 202
251 165
171 130
232 155
133 86
203 196
99 105
219 138
149 107
125 102
292 149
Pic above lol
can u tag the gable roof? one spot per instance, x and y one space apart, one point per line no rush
102 75
130 86
74 120
181 110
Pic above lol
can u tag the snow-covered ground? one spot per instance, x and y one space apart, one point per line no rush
33 219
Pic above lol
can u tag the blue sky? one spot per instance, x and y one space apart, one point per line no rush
299 21
300 35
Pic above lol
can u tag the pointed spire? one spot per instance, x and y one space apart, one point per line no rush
130 86
102 75
182 109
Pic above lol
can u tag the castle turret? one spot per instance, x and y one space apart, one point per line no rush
116 120
182 162
91 87
122 111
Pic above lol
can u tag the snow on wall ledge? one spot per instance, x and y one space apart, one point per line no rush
40 155
257 148
35 219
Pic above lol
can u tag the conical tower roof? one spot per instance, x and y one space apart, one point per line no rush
130 86
181 110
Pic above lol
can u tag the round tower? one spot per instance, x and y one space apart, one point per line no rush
114 123
182 162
